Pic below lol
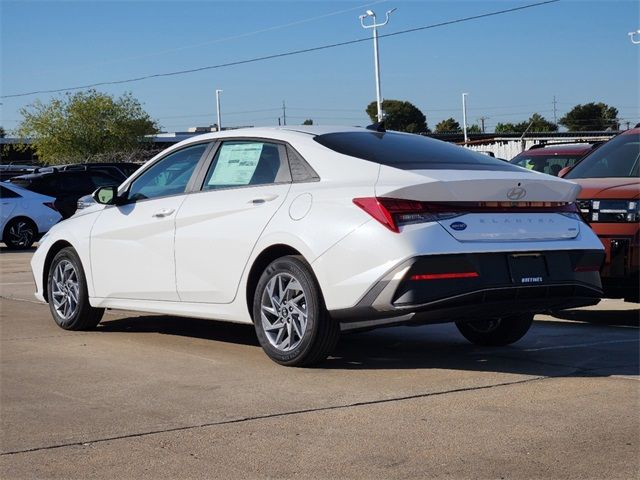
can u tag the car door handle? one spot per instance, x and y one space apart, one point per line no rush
264 199
165 212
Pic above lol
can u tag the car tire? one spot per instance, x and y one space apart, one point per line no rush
497 331
291 321
20 233
67 293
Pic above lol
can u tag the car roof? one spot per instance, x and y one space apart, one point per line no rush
564 149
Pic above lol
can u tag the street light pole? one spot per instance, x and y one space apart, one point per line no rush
376 57
218 92
464 116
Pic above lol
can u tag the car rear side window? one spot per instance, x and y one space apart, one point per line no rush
245 163
7 193
409 151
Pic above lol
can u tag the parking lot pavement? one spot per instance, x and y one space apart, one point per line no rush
148 396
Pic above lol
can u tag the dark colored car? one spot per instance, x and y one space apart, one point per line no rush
609 202
119 170
552 158
13 170
66 186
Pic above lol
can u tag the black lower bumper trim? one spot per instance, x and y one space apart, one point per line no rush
497 291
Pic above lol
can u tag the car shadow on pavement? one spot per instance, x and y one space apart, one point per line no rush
241 334
551 348
629 318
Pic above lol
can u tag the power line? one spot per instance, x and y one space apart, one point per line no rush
280 55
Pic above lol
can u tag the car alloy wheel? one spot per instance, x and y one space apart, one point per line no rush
67 293
65 289
21 234
284 312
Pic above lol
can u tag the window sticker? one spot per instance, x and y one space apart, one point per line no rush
236 164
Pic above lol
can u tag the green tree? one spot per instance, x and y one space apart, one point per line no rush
448 126
308 121
538 124
591 117
75 127
506 128
399 115
2 132
473 129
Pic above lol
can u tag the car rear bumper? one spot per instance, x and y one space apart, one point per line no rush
446 288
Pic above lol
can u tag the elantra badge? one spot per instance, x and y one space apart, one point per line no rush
458 226
516 193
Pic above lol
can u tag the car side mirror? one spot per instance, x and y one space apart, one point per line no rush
563 172
107 195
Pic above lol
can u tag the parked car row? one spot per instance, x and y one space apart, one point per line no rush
33 202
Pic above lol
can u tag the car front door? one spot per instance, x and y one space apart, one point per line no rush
132 244
218 227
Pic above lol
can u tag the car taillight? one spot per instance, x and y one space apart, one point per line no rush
50 205
394 213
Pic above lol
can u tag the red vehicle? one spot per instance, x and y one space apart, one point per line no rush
609 202
552 158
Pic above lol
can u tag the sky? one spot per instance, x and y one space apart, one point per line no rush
512 65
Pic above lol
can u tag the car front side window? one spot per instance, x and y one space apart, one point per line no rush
168 176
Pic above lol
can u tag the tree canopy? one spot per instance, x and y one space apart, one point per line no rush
75 127
448 126
308 121
591 117
538 124
2 132
399 115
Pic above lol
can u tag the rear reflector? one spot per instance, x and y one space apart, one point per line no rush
394 212
444 276
587 268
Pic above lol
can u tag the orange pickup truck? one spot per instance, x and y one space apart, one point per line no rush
609 202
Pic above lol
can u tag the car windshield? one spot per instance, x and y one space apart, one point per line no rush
409 152
549 164
616 158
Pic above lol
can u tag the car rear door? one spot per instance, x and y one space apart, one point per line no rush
132 245
218 227
8 201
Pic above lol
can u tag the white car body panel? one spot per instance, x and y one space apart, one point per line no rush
143 243
196 261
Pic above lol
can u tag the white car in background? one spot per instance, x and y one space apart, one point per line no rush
25 216
307 232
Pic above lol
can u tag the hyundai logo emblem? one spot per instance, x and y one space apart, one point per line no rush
458 226
516 193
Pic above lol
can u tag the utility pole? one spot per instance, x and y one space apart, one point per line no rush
482 119
284 113
555 116
464 116
376 58
218 92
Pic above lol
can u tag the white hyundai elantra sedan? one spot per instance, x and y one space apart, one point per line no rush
310 232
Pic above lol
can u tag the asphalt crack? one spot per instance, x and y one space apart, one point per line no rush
278 415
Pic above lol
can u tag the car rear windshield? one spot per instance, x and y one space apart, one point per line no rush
549 164
409 152
616 158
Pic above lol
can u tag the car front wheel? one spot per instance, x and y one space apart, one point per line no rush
67 293
496 331
290 319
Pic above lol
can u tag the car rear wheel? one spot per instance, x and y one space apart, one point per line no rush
20 233
289 315
496 331
67 293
